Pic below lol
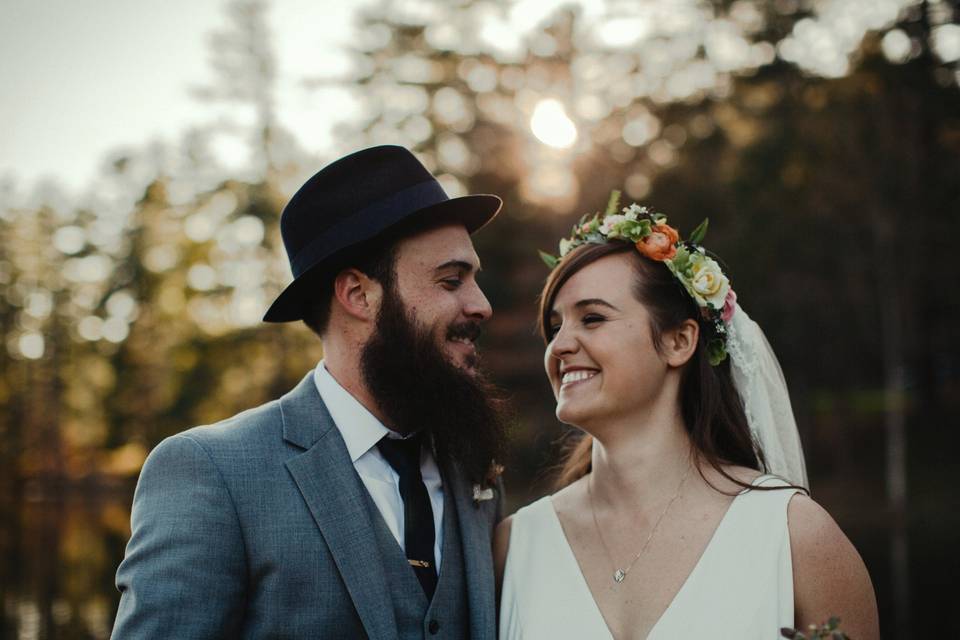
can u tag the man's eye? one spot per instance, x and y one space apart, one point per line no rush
452 283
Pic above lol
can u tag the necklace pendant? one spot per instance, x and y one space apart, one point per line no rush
619 575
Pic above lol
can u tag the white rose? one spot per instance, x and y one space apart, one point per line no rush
610 225
709 283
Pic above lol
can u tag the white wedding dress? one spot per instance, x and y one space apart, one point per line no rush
741 587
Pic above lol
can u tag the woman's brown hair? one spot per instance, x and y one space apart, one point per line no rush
710 405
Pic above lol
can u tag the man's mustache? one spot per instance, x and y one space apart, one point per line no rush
470 330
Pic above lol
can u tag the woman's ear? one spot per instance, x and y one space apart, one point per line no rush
679 344
357 294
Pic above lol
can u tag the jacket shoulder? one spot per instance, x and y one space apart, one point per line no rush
259 423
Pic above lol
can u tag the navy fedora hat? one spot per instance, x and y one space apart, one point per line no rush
355 199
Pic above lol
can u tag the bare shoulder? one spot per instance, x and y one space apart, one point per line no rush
812 529
829 576
816 540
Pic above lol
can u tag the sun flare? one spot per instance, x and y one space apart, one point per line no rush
551 125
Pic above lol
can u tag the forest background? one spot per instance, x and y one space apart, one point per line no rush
821 138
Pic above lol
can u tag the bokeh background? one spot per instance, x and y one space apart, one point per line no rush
139 240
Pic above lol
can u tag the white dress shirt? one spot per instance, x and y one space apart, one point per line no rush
361 432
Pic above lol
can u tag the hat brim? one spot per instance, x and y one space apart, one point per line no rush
473 211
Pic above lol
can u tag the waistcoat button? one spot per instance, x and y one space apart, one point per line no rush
433 627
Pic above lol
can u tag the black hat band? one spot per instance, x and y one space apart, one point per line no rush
383 213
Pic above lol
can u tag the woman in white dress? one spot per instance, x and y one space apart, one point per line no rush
668 521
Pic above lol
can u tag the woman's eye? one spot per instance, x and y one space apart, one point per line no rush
591 319
552 330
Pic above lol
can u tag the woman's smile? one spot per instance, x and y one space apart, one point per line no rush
575 377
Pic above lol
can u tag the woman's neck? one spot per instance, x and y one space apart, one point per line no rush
640 465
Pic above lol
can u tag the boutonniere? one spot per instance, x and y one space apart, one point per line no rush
483 492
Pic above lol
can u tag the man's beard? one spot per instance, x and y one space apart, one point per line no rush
418 388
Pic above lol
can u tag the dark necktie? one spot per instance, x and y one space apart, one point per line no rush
418 531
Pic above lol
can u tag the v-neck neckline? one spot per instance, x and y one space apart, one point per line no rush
585 586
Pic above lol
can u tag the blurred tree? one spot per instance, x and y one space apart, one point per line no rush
813 134
821 138
245 74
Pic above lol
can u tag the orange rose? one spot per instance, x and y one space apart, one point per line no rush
659 245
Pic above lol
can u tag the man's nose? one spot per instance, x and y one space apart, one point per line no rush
477 306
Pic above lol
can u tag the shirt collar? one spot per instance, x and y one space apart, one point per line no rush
360 429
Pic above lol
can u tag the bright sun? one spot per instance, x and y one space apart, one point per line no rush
551 124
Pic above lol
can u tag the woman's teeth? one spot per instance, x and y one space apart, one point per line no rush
577 376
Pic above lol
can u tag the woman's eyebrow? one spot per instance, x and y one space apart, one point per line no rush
586 303
594 301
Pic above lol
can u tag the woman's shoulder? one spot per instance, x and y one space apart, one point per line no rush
534 512
830 578
528 523
813 531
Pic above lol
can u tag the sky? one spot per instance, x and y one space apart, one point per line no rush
80 78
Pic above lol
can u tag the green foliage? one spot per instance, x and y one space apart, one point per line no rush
549 259
613 203
698 234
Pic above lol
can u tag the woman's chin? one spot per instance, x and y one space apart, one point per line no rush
569 413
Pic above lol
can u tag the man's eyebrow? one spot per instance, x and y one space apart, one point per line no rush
460 265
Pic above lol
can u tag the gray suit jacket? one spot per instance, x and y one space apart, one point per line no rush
258 526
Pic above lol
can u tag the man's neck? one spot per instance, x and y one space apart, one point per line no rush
349 377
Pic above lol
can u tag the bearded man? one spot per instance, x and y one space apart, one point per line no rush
361 503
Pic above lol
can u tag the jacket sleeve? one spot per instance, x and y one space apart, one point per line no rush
184 572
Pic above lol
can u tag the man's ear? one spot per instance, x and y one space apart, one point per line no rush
357 294
679 344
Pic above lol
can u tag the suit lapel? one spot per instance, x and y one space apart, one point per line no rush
336 498
477 558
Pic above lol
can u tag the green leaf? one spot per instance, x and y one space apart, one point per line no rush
613 203
716 351
549 259
696 237
682 260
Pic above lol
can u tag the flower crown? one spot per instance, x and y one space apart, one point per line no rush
700 275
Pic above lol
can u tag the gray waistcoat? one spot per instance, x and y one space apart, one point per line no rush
446 616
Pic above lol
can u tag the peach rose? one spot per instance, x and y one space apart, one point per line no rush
659 245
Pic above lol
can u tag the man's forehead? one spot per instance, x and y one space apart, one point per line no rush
446 246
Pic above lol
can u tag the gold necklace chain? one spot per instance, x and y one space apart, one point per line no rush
619 574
